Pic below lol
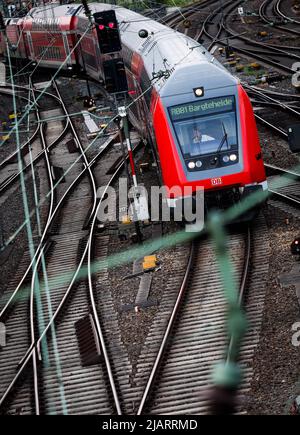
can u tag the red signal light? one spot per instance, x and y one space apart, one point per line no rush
101 27
111 25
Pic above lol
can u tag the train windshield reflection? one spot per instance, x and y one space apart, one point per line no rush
207 128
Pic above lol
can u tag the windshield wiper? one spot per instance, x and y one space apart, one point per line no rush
225 138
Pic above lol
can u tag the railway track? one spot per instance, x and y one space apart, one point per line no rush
215 29
278 57
280 8
271 13
284 187
195 337
56 380
34 150
31 134
61 251
264 101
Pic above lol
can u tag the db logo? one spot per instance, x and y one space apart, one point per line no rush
216 181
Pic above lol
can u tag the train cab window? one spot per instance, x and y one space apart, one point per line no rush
206 128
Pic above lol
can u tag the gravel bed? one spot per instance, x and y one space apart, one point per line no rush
11 209
252 25
276 363
275 150
9 146
134 326
74 103
11 218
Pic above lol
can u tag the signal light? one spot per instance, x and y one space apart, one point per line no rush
107 31
115 76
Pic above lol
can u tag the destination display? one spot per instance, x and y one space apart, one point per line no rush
206 107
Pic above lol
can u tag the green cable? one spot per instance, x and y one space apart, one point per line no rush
228 373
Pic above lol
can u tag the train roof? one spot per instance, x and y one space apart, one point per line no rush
54 10
165 49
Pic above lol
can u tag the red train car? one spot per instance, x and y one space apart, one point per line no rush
50 35
197 117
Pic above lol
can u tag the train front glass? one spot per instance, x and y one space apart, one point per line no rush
207 132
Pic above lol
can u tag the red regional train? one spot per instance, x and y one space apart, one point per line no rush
197 117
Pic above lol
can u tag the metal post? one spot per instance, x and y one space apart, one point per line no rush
88 14
123 114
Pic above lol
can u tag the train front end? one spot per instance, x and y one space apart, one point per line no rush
207 136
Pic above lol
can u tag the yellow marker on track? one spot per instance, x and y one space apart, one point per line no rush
150 262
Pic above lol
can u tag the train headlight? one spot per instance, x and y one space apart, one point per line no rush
199 92
191 165
226 159
233 157
198 163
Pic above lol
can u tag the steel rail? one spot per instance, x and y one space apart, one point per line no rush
263 45
8 182
46 154
36 346
279 12
264 17
248 52
35 271
27 143
282 171
167 333
242 287
79 145
178 305
286 197
55 211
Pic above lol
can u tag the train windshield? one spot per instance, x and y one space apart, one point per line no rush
205 127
